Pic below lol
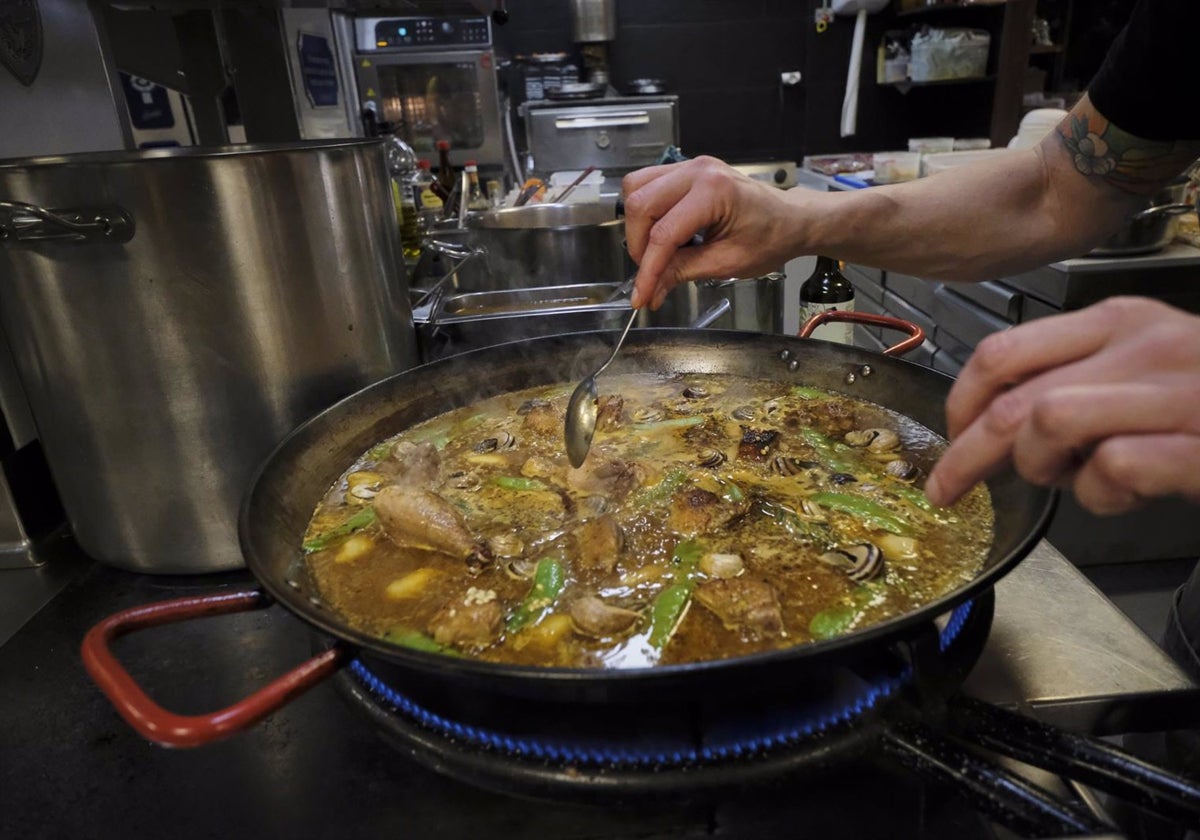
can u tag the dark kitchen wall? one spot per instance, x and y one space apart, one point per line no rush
724 58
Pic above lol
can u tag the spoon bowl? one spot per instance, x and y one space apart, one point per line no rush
580 425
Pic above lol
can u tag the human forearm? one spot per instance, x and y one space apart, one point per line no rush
1003 216
1014 212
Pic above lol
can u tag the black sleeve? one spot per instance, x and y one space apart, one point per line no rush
1148 82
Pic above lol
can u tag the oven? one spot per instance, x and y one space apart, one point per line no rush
614 134
432 78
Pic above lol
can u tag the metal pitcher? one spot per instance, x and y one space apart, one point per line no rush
175 312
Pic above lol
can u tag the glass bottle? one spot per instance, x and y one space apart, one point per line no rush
476 200
827 288
402 164
428 202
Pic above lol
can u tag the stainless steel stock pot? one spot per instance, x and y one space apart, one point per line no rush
175 312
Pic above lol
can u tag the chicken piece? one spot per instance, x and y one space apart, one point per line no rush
600 541
743 604
545 420
421 519
592 617
696 511
412 464
472 625
610 413
605 476
757 444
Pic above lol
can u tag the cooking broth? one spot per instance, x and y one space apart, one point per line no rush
715 516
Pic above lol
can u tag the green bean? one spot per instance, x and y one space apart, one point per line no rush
667 610
510 482
415 640
913 496
866 510
359 520
804 392
793 524
675 423
548 580
732 493
669 605
666 487
828 450
687 555
832 622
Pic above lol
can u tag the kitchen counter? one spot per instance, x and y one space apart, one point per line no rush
70 767
1177 254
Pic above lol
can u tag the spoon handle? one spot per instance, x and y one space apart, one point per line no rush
632 317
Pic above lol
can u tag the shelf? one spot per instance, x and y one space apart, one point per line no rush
905 85
950 7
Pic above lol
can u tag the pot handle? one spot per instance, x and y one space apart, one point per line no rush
21 222
713 313
454 251
916 334
1163 210
167 728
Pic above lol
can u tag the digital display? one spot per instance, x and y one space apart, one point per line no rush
432 32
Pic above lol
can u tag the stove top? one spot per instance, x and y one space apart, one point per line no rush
70 767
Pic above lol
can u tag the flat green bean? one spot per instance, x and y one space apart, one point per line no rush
667 610
359 520
548 580
866 510
674 423
415 640
511 482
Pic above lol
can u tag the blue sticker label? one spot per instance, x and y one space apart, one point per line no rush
317 71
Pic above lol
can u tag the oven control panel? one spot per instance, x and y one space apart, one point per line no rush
391 34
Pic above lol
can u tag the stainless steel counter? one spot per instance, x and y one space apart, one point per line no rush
1063 652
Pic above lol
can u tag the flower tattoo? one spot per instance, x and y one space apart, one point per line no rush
1092 154
1132 164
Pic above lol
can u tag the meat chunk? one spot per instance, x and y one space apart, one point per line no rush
610 412
412 464
696 511
757 444
743 604
473 625
592 617
421 519
545 420
605 476
600 541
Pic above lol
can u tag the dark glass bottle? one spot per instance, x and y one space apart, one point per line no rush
827 288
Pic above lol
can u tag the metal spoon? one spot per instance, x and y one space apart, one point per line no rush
581 410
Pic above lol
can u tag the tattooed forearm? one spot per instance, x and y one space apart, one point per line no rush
1131 164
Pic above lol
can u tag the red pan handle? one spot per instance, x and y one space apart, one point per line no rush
916 334
167 728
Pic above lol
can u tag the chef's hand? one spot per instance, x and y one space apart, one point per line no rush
743 220
1103 401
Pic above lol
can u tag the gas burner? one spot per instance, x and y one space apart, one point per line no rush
540 748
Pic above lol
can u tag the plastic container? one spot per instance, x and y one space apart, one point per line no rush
941 54
894 167
940 163
931 145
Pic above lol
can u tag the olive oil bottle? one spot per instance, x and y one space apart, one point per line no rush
827 288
